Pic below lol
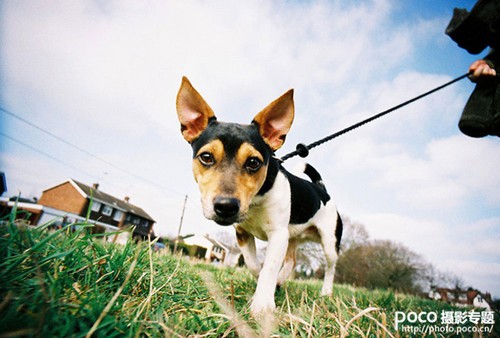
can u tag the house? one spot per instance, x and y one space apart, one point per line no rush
27 210
460 297
212 250
74 200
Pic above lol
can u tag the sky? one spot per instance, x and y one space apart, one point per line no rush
88 92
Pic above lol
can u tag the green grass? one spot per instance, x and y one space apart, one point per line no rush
74 284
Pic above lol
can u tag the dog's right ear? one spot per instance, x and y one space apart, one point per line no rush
275 120
192 110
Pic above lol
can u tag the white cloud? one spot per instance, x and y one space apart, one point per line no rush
447 173
424 235
128 60
469 162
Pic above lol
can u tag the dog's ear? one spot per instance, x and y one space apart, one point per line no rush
192 110
275 120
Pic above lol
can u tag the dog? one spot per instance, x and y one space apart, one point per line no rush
244 185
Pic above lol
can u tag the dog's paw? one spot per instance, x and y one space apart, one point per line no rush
326 291
262 308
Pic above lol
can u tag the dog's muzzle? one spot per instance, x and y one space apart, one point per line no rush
226 210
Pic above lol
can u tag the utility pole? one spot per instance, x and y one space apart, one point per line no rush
180 225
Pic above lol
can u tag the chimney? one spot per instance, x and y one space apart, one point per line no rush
95 186
126 199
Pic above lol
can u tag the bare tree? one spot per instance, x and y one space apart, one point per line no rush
311 258
354 234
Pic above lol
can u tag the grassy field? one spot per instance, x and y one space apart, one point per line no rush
73 284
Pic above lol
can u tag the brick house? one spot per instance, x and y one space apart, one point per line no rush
74 200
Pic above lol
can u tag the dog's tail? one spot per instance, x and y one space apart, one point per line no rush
316 180
314 176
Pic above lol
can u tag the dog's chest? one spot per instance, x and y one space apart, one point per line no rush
269 212
258 221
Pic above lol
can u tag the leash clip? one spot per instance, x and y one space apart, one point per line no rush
302 150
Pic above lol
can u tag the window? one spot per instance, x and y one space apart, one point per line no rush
96 206
107 210
118 215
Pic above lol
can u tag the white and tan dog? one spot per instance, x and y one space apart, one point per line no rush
243 185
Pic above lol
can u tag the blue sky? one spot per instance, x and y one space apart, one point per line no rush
104 75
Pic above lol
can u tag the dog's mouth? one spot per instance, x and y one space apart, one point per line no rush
226 221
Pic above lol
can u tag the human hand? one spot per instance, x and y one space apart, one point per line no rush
481 69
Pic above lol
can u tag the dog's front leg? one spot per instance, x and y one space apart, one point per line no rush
246 242
263 300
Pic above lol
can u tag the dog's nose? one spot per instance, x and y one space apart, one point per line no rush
226 207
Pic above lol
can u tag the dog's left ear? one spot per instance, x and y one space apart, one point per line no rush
193 111
275 120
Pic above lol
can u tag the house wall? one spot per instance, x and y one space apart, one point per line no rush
104 218
142 226
64 197
231 259
29 212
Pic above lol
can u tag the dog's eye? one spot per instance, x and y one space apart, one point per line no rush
253 164
206 159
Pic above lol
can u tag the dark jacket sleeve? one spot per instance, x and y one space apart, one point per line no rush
493 59
481 114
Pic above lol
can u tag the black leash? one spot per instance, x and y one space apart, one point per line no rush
303 150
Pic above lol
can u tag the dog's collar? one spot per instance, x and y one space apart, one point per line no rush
272 172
